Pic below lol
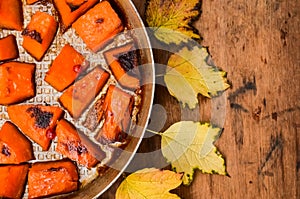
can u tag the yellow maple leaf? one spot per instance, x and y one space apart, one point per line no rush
189 145
188 74
149 183
170 19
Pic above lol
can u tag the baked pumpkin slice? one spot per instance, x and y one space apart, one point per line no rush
65 68
98 26
71 145
15 148
70 10
117 108
12 180
36 121
39 34
52 178
11 14
123 63
8 48
77 97
17 82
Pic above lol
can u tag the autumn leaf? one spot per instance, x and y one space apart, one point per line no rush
149 184
189 145
188 74
170 19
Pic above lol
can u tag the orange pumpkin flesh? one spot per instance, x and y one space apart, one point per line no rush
16 82
11 14
12 180
35 120
70 10
98 26
70 144
51 178
117 108
8 48
122 74
39 34
15 148
78 96
63 72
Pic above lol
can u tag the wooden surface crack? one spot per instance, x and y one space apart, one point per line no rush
276 145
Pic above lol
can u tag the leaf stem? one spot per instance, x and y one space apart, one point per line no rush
154 132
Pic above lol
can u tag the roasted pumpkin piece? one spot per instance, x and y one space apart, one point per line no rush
78 96
39 34
15 148
99 25
117 114
36 121
31 1
70 10
65 68
17 82
11 14
123 63
52 178
70 144
8 48
12 180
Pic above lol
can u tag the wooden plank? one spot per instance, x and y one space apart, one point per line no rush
258 44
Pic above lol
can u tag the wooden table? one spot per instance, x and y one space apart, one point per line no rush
258 44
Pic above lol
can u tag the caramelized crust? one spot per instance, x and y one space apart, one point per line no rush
123 63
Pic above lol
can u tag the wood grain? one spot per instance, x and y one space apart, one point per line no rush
258 44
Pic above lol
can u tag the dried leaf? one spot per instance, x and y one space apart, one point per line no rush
170 19
189 74
189 145
149 184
